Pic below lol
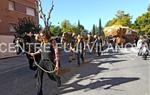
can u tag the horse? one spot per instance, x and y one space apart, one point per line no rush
68 40
22 45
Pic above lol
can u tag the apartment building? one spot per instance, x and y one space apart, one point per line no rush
10 11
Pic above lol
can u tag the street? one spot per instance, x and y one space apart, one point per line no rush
110 74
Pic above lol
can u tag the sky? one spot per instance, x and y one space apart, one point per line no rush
90 11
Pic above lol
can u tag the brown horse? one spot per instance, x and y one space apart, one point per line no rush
68 41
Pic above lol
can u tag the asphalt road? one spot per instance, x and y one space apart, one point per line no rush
110 74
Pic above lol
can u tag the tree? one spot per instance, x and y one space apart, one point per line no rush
142 23
121 18
26 25
66 26
46 19
148 8
100 29
55 30
100 32
94 29
74 29
80 28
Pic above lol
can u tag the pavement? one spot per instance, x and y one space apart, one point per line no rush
122 73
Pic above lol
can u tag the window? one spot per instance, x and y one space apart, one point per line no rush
11 5
11 28
30 11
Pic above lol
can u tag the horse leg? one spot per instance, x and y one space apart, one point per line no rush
40 81
78 58
82 56
98 51
73 55
31 65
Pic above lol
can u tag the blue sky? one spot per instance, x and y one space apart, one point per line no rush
89 11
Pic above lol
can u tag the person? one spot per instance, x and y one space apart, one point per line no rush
72 47
136 40
146 40
114 43
80 50
99 45
57 55
89 40
144 48
149 42
47 62
139 44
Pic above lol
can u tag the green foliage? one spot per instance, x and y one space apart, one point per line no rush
148 8
55 30
100 29
74 29
94 30
80 28
142 23
66 26
121 18
26 25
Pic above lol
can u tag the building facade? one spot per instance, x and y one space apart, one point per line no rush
10 11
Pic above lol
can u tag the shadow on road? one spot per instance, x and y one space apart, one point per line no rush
20 80
111 61
86 74
106 81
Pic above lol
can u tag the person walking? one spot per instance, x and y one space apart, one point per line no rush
98 45
139 45
80 49
57 55
47 63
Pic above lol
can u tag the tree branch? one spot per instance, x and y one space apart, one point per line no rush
40 10
49 13
41 13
